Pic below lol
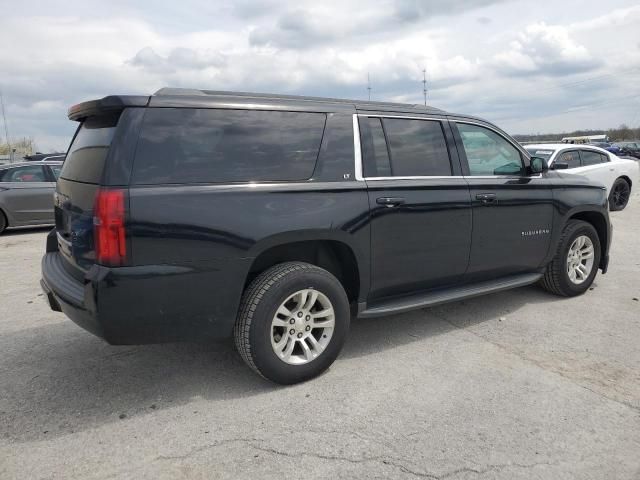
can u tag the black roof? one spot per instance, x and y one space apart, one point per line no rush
184 97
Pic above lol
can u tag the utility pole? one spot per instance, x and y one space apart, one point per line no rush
424 86
369 85
6 128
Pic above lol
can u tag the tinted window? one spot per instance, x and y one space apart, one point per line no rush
591 158
211 146
376 155
489 153
23 174
88 151
417 148
571 158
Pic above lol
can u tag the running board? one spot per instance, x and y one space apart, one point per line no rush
413 302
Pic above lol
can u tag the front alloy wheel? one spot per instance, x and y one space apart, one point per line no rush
580 259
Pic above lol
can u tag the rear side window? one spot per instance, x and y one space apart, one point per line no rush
215 146
374 148
572 159
417 148
591 158
88 151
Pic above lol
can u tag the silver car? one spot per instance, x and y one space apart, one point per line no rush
26 193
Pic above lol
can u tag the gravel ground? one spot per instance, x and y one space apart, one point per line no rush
514 385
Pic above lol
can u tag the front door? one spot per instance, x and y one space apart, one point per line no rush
420 211
512 211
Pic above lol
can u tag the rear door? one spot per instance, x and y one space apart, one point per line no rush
28 194
420 205
596 167
77 186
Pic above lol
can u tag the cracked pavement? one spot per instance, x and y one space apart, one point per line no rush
514 385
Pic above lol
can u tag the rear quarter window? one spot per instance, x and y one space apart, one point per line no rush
182 146
88 151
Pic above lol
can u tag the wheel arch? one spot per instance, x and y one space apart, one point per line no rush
625 178
322 249
599 222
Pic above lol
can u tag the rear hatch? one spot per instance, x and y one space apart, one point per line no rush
77 188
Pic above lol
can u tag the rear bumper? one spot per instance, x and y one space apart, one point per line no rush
148 304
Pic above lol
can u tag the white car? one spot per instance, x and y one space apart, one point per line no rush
597 164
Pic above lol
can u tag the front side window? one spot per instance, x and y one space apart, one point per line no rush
488 153
571 158
185 145
417 147
23 174
590 157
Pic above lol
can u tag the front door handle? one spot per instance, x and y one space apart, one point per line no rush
390 201
487 198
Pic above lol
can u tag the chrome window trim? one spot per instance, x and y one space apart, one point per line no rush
357 149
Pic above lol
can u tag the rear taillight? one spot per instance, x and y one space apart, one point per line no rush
109 227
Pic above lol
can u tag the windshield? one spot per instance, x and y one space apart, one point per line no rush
540 152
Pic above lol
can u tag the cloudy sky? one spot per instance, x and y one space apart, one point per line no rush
529 66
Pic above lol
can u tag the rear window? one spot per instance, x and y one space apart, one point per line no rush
216 146
88 151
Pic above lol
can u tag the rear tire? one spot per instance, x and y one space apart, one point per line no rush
575 264
619 196
292 322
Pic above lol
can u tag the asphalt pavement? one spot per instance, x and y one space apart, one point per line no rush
514 385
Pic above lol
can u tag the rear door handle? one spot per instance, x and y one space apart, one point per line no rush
390 201
487 198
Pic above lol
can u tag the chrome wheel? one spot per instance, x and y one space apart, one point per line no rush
580 259
302 327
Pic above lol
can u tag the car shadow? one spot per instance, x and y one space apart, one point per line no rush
59 379
17 231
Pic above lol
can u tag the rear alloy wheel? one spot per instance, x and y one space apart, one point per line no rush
292 322
619 196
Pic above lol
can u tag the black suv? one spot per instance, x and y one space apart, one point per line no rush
276 219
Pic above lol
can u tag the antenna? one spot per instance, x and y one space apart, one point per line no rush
424 86
369 85
6 127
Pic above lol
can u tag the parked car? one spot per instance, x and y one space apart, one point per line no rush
26 193
618 175
631 149
607 146
40 157
275 219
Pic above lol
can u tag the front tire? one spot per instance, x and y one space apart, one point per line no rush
575 264
619 196
292 322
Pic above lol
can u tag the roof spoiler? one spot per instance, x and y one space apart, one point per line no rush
110 104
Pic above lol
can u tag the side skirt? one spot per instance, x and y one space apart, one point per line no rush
429 299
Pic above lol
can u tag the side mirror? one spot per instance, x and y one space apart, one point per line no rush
538 165
560 165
